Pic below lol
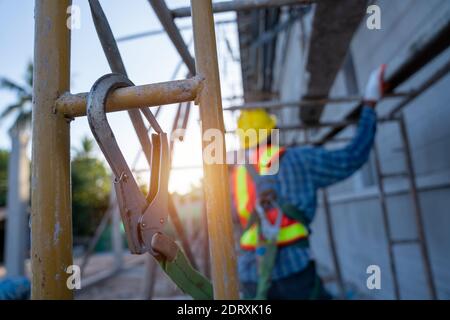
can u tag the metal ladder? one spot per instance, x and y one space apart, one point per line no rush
420 240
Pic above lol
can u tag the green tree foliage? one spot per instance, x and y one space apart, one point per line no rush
91 186
4 155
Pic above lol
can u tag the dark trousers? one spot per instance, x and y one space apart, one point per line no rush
303 285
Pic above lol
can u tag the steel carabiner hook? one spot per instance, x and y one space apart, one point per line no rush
142 218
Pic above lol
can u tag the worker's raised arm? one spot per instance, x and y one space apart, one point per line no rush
328 167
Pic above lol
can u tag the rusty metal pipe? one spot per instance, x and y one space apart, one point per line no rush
112 54
385 218
74 105
51 213
164 15
217 193
417 208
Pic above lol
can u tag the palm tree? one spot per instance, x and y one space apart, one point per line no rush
18 173
22 107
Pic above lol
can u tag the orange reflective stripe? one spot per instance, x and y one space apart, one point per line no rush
241 193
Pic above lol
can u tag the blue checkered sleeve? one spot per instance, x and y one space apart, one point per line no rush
327 167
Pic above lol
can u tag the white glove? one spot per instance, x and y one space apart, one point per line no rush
375 86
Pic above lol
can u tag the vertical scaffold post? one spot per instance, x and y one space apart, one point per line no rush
417 208
332 239
51 217
220 227
386 225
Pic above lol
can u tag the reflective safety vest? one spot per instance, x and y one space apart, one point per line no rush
245 199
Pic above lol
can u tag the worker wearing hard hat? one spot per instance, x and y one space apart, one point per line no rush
276 210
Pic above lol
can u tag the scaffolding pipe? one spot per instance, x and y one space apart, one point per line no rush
158 110
385 217
151 269
438 75
167 21
325 124
173 214
97 234
51 214
206 256
303 126
160 31
417 209
178 225
435 77
175 126
165 17
157 94
217 193
332 240
274 105
112 53
240 5
187 112
435 46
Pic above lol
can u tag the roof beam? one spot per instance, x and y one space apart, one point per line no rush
334 24
240 5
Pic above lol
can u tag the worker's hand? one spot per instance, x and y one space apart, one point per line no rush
375 86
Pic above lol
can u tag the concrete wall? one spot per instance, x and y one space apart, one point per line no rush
356 213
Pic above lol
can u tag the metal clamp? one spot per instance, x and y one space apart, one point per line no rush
142 217
269 231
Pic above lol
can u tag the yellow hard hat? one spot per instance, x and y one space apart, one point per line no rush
254 126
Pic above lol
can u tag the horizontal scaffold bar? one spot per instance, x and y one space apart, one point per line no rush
323 124
240 5
273 105
149 95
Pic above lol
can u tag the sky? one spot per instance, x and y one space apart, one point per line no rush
147 60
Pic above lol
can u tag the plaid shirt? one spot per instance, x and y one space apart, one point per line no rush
304 170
